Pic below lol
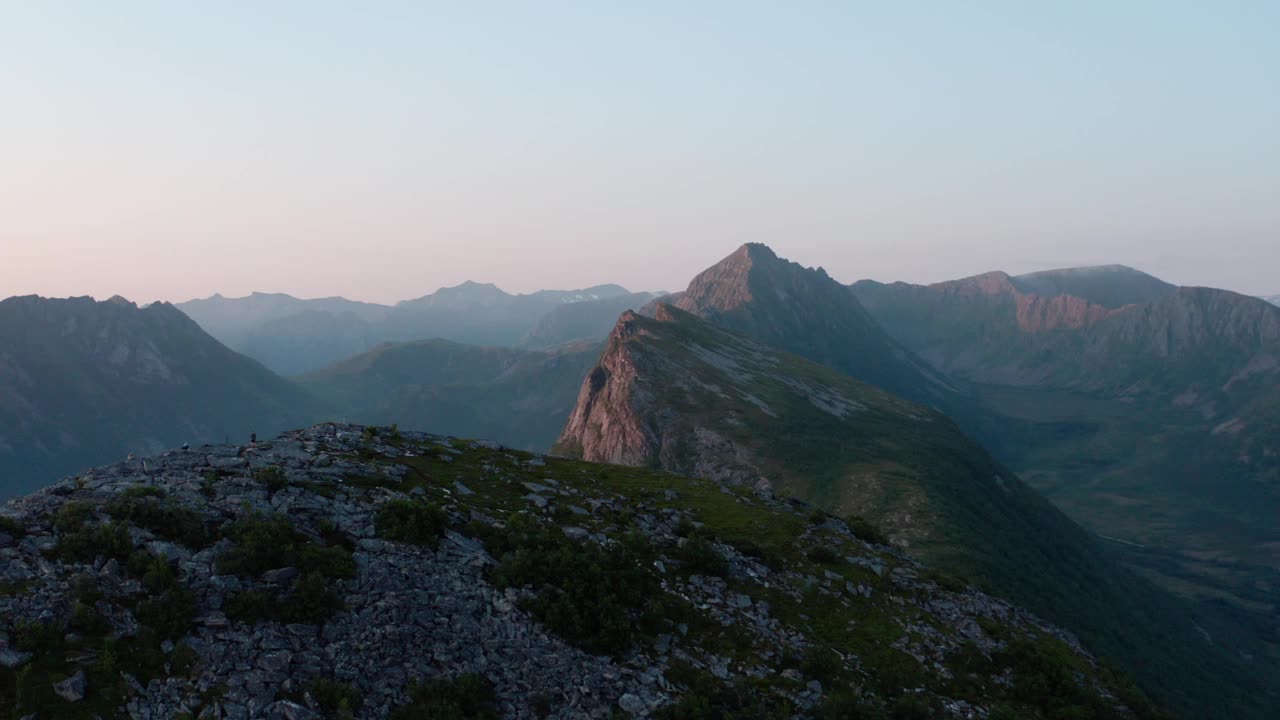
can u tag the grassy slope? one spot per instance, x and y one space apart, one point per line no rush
912 470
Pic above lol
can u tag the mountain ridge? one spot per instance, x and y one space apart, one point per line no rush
677 393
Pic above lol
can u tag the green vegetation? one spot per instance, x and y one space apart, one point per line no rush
865 530
601 599
336 700
411 521
263 543
272 477
466 697
11 527
140 506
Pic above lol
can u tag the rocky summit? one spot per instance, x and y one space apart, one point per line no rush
345 571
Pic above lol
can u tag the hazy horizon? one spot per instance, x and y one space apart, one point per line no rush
381 151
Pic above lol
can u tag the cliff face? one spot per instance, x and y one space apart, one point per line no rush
329 571
606 424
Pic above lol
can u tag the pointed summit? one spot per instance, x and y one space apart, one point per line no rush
755 293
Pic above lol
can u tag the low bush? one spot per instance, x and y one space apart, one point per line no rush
336 700
864 530
411 521
597 598
273 477
167 519
267 542
700 557
466 697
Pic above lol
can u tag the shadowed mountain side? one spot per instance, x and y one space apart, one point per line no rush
85 382
520 398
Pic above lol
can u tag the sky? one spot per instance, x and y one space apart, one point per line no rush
380 150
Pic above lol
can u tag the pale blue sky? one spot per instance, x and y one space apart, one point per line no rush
382 149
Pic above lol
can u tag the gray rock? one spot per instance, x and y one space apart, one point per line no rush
13 659
73 688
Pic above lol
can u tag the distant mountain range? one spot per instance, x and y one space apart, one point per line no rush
82 382
1149 413
517 397
1154 422
1273 299
293 336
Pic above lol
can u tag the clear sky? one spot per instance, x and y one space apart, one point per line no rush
379 150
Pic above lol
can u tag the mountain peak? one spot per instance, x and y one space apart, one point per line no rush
755 293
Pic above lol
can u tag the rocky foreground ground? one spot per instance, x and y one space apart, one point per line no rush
342 571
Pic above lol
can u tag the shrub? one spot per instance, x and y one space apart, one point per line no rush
72 516
170 614
12 527
336 699
273 477
208 484
267 542
308 602
466 697
411 521
166 519
823 664
600 599
110 540
824 555
701 557
138 492
864 530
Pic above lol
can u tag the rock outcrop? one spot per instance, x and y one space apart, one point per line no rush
328 570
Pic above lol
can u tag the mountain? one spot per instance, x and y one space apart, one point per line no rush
293 337
308 341
755 293
1110 286
585 320
230 319
482 314
518 397
676 393
1273 299
342 571
84 382
1153 423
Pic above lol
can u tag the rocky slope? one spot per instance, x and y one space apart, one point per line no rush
342 571
677 393
84 382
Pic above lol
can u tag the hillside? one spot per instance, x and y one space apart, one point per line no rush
84 382
342 571
518 397
676 393
1154 423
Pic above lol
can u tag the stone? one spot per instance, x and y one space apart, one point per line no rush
73 688
13 659
633 704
